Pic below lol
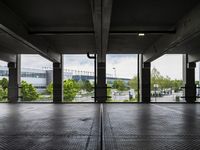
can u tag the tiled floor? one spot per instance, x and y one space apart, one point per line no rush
152 126
81 126
49 126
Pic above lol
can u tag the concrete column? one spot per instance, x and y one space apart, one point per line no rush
57 82
189 79
101 91
145 80
14 80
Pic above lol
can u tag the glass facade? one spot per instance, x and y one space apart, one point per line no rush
4 72
25 74
33 75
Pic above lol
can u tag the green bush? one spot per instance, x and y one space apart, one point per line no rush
4 83
3 89
71 88
50 89
28 92
119 85
3 93
85 85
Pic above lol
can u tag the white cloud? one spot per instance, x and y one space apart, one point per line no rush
78 62
3 63
169 65
126 65
34 61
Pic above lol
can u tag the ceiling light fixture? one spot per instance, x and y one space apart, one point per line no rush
141 34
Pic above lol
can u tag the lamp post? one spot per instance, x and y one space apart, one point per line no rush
114 72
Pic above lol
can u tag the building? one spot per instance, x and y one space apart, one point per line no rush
41 78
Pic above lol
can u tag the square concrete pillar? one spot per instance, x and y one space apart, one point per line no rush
145 80
57 82
101 91
189 80
14 80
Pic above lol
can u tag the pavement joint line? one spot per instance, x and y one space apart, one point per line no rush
167 108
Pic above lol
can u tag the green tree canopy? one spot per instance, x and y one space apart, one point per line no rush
164 82
133 83
157 78
86 85
71 88
50 89
3 93
4 83
28 92
3 88
119 85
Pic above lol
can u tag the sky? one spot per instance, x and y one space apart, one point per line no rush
169 65
125 65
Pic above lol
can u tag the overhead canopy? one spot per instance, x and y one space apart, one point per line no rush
52 27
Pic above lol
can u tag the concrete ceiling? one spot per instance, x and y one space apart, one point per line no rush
51 27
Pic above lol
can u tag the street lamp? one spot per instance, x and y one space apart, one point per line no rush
115 72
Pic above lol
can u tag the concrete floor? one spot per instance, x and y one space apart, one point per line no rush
78 126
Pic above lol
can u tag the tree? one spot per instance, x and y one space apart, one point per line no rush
164 82
177 85
133 83
119 85
86 85
28 92
155 77
3 93
50 89
71 88
109 94
3 88
4 83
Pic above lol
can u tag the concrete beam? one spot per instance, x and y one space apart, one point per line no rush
107 12
7 56
101 12
97 22
193 58
17 29
186 29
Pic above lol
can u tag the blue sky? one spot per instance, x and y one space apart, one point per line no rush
126 65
